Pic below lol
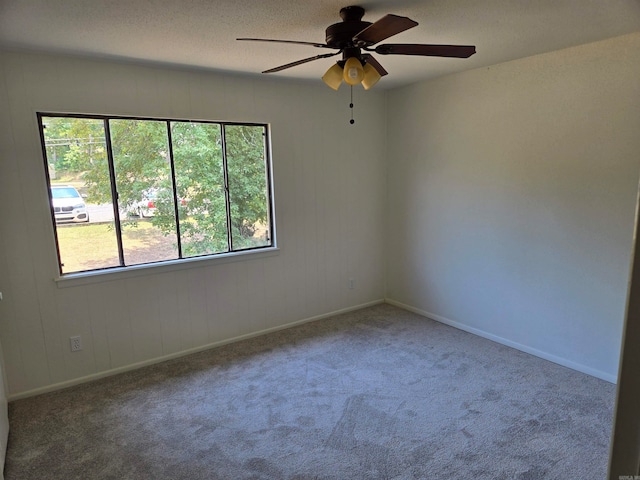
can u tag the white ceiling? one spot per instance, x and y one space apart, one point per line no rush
202 34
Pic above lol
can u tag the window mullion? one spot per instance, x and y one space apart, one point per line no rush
267 176
175 190
114 191
226 186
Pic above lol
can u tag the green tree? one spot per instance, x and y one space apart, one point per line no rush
197 152
140 160
74 145
245 147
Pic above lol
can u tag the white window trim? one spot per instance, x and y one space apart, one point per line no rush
144 269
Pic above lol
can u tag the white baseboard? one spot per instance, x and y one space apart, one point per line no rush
164 358
518 346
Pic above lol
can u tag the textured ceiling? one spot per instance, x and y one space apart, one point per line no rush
202 33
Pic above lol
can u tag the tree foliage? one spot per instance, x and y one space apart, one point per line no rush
73 144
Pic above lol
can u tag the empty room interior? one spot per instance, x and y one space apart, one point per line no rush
434 280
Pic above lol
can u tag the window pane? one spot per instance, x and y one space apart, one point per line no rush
145 190
79 175
248 192
197 156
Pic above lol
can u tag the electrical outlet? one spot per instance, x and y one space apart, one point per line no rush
352 283
76 343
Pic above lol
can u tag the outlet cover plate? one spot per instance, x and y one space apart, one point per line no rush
76 343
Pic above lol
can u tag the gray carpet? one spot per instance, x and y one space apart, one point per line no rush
380 393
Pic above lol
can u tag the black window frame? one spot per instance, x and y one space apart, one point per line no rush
114 194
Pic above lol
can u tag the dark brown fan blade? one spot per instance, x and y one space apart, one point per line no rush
386 27
374 63
457 51
319 45
299 62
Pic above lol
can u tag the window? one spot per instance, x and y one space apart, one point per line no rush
132 191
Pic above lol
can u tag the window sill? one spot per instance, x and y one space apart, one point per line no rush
107 275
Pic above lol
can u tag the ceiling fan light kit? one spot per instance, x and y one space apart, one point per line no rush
333 76
371 76
353 71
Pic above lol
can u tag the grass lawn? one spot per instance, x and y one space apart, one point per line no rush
94 245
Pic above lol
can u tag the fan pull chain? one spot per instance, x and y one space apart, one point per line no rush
352 121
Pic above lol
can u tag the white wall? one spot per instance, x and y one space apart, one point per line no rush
509 203
511 200
329 194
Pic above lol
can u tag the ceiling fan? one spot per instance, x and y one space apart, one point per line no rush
352 36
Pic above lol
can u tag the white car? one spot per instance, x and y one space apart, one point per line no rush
146 206
68 204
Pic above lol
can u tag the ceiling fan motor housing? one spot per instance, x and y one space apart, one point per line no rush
340 35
